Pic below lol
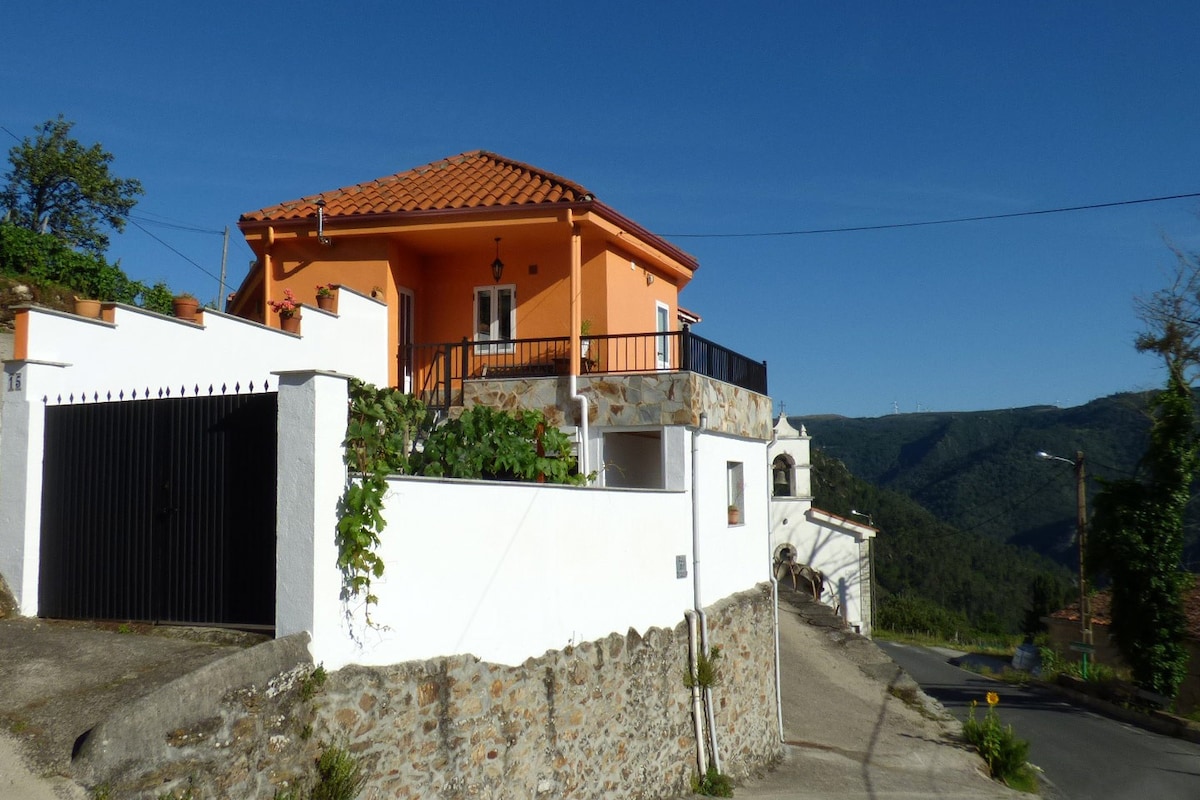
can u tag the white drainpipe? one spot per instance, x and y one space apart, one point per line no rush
573 385
697 701
697 600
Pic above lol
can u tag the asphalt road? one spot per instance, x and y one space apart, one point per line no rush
1083 755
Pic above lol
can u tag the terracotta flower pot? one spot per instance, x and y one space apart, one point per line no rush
325 302
87 308
290 323
735 516
185 308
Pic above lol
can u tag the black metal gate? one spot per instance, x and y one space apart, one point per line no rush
161 511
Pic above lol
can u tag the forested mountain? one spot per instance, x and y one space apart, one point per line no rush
978 471
932 576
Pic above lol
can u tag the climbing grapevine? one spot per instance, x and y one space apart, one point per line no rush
381 426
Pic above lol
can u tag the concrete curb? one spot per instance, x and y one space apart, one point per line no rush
1159 722
141 728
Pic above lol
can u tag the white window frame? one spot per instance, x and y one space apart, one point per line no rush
662 342
483 338
735 486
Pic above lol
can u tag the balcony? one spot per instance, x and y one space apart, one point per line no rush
631 379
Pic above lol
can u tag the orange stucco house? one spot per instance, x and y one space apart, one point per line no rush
425 240
495 271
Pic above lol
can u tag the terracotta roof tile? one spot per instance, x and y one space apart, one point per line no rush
477 179
1102 610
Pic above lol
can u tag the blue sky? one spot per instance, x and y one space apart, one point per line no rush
699 118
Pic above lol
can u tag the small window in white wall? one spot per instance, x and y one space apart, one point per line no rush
735 491
495 317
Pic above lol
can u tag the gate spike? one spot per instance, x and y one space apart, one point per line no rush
121 395
210 389
222 388
71 397
237 387
251 386
267 385
108 395
197 390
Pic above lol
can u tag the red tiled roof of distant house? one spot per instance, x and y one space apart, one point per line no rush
1101 603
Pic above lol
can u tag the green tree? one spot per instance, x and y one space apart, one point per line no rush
1138 523
57 185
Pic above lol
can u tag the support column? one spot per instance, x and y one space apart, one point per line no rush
311 476
24 431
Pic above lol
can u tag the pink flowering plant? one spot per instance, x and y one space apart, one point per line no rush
287 307
325 290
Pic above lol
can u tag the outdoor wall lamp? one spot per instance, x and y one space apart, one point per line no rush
321 237
497 265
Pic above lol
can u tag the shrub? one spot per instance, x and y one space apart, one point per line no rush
339 776
1004 753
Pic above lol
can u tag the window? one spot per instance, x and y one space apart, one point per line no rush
495 317
662 346
735 490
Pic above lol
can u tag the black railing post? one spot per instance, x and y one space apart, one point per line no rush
685 348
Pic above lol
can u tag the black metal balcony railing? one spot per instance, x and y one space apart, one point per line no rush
437 371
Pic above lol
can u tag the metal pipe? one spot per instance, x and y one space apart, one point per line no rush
697 702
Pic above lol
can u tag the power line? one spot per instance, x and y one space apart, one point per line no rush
893 225
179 226
139 226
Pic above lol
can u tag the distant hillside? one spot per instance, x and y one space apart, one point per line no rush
978 472
984 584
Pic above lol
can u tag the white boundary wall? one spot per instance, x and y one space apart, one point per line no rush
141 351
503 571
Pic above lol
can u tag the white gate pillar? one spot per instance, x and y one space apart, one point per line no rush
311 476
21 456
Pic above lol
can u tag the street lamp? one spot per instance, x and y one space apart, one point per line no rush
1085 614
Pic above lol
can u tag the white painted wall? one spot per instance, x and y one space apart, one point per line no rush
500 570
505 571
141 351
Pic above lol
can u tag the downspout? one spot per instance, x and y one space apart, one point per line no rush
697 702
774 607
697 599
576 348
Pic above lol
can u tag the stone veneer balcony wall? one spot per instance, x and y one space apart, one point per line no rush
634 400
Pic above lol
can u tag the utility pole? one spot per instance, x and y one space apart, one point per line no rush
224 253
1085 613
1085 646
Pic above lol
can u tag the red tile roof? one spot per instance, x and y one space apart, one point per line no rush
477 179
1101 604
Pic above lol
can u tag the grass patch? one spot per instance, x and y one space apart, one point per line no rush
712 784
993 646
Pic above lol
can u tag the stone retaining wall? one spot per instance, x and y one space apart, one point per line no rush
605 719
610 718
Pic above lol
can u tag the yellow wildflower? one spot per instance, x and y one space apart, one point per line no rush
992 698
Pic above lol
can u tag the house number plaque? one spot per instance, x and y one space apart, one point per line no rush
680 566
14 381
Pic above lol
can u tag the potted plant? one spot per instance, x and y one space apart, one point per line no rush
288 310
735 515
585 328
325 297
185 306
87 308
